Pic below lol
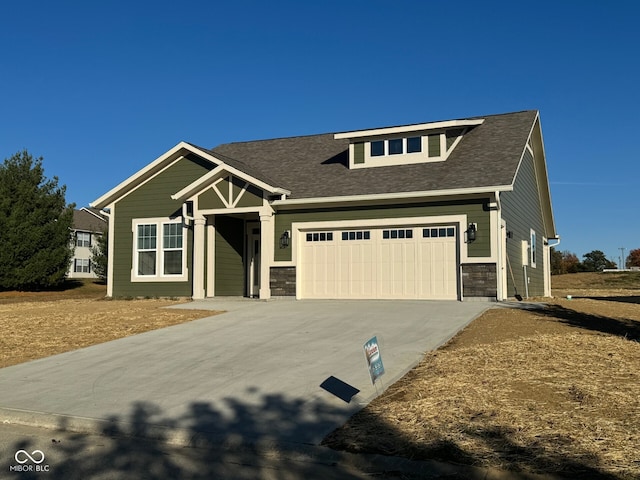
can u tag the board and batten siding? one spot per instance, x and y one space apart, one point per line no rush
521 210
152 200
477 211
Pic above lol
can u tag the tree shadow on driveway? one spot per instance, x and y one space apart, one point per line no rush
240 440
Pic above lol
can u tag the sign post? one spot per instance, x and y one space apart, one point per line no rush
374 359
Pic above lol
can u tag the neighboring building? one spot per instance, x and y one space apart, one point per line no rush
424 211
88 225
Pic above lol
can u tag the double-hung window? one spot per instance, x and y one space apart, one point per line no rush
83 239
82 265
159 253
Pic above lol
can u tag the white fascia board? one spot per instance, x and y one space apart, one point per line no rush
240 174
214 174
140 176
94 214
392 196
198 185
160 162
407 128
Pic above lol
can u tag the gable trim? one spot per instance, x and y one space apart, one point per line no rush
407 128
167 158
215 176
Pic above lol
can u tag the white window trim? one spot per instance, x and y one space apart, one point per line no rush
533 250
159 276
80 262
83 234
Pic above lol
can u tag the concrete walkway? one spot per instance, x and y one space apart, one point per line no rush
251 376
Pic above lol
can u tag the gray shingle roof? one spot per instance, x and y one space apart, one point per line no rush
87 222
317 165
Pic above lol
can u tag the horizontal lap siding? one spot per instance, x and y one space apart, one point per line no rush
521 211
151 200
477 211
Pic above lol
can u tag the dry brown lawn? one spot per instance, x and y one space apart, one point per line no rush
555 390
40 324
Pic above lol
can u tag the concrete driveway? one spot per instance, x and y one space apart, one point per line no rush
252 375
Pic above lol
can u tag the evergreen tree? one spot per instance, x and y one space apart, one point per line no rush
596 261
100 255
35 222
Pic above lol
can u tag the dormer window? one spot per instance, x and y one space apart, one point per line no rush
396 146
414 144
423 143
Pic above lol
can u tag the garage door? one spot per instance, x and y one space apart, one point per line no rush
407 262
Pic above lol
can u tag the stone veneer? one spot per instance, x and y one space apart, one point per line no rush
283 281
479 280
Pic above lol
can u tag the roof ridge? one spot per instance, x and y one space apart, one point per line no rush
371 128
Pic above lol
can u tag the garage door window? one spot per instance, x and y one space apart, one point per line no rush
438 232
394 234
320 237
363 235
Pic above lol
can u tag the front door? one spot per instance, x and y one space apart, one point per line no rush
253 264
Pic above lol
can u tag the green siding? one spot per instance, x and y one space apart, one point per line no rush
358 153
209 200
229 266
251 198
434 145
477 211
150 200
521 210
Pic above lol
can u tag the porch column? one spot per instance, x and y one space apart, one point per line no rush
211 256
198 258
267 226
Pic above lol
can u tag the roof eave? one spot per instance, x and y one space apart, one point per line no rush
394 196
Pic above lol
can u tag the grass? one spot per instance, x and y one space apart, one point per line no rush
40 324
553 391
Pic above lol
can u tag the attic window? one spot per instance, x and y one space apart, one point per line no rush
396 146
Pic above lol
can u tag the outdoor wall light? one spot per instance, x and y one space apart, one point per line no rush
471 232
284 239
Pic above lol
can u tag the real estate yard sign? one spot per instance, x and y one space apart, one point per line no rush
374 359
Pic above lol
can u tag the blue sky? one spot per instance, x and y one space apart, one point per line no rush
100 89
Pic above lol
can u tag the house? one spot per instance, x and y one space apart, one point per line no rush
88 224
456 209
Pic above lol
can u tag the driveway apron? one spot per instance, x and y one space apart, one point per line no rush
279 371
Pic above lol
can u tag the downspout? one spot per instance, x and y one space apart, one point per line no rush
500 261
557 238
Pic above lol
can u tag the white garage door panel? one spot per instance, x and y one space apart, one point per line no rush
377 267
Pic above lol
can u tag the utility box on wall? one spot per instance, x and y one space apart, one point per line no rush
525 252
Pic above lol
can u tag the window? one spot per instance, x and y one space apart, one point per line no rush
414 144
532 248
439 232
393 234
396 146
159 250
377 148
83 239
81 265
172 248
362 235
320 237
147 252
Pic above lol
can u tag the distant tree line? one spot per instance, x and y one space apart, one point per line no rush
594 261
